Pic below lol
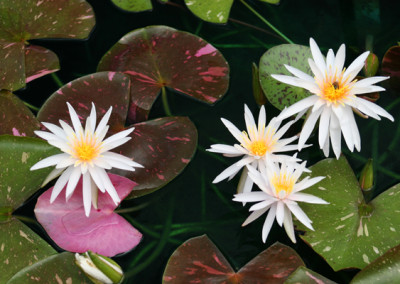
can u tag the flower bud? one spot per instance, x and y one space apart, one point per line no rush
258 93
367 176
98 268
371 65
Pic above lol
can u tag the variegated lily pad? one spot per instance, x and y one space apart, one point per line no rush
348 232
133 5
21 21
281 95
158 56
304 275
391 66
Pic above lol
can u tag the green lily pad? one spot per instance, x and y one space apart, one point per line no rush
21 21
348 232
304 275
159 56
59 268
133 5
17 156
17 119
19 247
198 260
385 269
280 94
215 11
391 66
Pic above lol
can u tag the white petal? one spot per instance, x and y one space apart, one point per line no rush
355 67
46 135
245 183
112 139
356 133
359 104
288 224
261 121
87 193
231 170
283 130
52 175
72 182
319 76
69 132
330 57
119 165
122 159
58 131
233 130
254 196
102 162
370 81
94 173
308 198
68 161
300 215
60 144
335 134
109 186
61 182
375 108
324 126
114 144
92 117
294 81
95 193
49 161
339 59
262 204
365 90
298 73
104 121
306 183
268 223
224 149
308 127
345 124
250 122
253 216
280 212
317 55
298 106
74 119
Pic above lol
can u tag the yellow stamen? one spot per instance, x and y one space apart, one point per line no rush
86 149
283 184
262 145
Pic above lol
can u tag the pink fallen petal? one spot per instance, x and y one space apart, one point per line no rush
103 232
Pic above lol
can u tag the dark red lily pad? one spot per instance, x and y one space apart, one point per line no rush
39 61
103 232
15 118
303 275
198 260
21 21
159 56
391 66
163 146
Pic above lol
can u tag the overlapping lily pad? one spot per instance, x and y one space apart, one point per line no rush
198 260
391 66
133 5
21 21
103 232
16 118
159 56
163 146
272 62
304 275
48 271
349 232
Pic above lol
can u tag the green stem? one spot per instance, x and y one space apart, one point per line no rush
132 209
266 22
25 219
57 80
31 106
165 102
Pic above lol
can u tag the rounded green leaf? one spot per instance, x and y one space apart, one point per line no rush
19 247
17 156
210 10
280 94
348 232
304 275
385 269
198 260
59 268
133 5
160 56
21 21
16 118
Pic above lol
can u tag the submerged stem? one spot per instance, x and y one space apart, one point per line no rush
266 22
57 80
32 107
165 101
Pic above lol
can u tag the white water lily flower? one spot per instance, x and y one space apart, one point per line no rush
280 194
335 90
85 154
257 144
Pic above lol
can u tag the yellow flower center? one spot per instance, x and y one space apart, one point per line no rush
283 185
86 149
258 148
260 141
334 92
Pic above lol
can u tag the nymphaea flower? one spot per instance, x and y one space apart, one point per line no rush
257 144
335 92
84 154
280 193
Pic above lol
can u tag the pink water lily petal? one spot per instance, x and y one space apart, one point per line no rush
103 232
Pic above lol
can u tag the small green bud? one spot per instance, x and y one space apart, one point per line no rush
98 268
258 93
367 176
371 65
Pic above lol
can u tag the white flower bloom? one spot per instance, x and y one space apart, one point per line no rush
85 154
335 92
256 145
280 191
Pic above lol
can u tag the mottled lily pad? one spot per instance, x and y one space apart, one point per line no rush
16 118
304 275
163 146
385 269
103 232
19 247
348 232
133 5
21 21
391 66
160 56
17 156
280 94
48 271
198 260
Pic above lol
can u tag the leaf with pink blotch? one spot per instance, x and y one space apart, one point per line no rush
198 260
159 56
103 232
21 21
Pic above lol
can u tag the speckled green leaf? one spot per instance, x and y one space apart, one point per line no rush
15 118
59 268
348 232
21 21
19 247
133 5
214 11
385 269
303 275
272 62
17 156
